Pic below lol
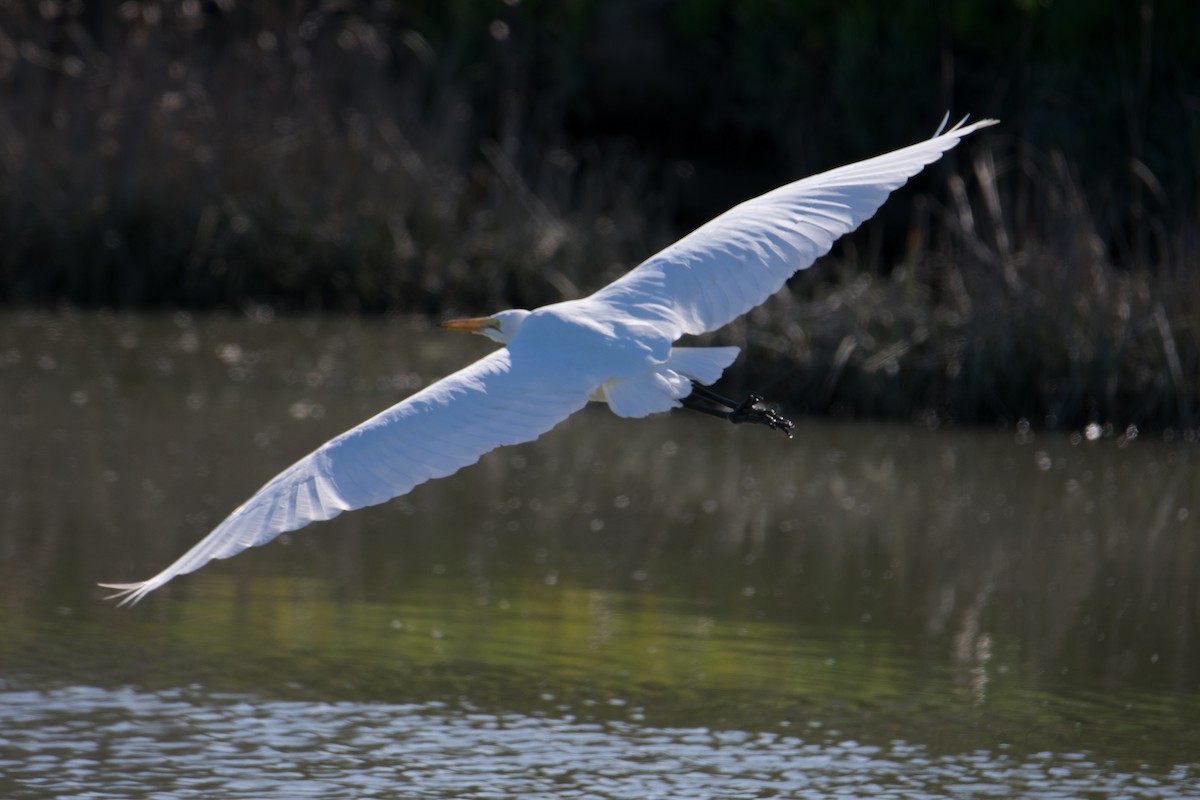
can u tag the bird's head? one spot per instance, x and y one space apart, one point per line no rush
501 327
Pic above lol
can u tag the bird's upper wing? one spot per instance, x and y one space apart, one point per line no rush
500 399
736 261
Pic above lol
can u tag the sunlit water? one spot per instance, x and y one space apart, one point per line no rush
662 608
192 743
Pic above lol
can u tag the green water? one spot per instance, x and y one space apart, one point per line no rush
670 607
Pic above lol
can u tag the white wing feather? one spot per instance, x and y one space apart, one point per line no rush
733 263
564 352
434 433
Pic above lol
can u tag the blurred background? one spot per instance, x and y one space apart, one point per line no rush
227 227
438 157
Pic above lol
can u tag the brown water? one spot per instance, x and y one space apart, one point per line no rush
671 607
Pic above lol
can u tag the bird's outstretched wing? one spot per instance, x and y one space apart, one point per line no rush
501 399
734 262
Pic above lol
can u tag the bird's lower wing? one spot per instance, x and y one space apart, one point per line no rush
434 433
735 262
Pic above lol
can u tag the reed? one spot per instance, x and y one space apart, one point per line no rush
403 159
984 326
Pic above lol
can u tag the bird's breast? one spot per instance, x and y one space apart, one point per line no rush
577 336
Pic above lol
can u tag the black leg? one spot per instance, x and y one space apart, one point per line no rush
700 390
751 409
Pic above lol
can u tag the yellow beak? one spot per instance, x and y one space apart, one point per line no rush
473 324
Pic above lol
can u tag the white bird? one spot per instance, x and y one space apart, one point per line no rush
615 346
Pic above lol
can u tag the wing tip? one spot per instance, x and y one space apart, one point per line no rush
959 128
128 594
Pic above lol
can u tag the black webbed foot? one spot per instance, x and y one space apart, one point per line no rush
752 410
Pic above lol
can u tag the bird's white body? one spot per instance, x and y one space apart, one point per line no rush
615 346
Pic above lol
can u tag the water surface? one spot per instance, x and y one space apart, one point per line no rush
669 607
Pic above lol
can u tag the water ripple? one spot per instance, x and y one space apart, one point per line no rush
80 741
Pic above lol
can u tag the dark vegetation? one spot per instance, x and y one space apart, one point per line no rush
439 157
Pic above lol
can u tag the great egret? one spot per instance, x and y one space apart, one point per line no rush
615 346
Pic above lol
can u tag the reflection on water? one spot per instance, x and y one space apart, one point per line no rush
661 607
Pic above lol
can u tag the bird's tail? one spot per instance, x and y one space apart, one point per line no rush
701 364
